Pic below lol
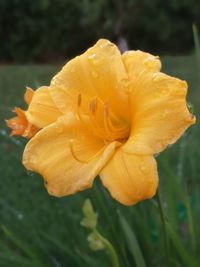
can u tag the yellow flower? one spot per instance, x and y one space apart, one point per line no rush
19 124
40 105
106 114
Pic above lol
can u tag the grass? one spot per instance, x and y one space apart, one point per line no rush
38 230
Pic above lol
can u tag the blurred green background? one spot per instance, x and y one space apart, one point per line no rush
37 230
50 30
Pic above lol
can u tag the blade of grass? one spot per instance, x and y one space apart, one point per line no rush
81 257
132 242
16 241
61 247
183 254
15 260
196 42
197 47
20 245
112 227
163 225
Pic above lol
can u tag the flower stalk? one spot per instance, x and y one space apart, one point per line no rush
107 246
96 240
163 225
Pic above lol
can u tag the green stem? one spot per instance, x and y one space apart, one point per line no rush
162 219
110 249
110 222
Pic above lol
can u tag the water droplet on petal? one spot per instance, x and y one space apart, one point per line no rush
92 56
72 69
94 74
137 193
59 129
165 113
95 59
33 159
106 45
30 173
144 168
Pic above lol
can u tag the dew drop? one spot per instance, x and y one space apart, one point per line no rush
3 132
144 168
62 105
72 70
95 59
138 193
149 63
156 77
92 56
20 216
59 129
165 113
94 74
30 173
33 159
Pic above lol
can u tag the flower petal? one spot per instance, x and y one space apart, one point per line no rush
20 125
98 73
64 155
42 110
130 178
28 95
158 105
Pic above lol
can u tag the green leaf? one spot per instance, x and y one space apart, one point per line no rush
62 247
17 242
183 254
132 242
196 41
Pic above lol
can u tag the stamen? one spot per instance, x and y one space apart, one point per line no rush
79 100
93 105
106 129
71 142
105 120
109 127
105 109
116 129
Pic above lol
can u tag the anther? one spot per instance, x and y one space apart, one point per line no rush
79 100
93 105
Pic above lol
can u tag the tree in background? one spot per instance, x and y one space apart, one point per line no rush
51 30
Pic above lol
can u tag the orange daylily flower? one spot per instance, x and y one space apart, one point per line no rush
39 104
106 114
19 124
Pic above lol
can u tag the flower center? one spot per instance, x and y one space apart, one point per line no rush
98 116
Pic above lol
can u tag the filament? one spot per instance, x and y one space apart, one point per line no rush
71 142
104 128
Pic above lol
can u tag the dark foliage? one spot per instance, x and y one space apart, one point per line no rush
50 30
